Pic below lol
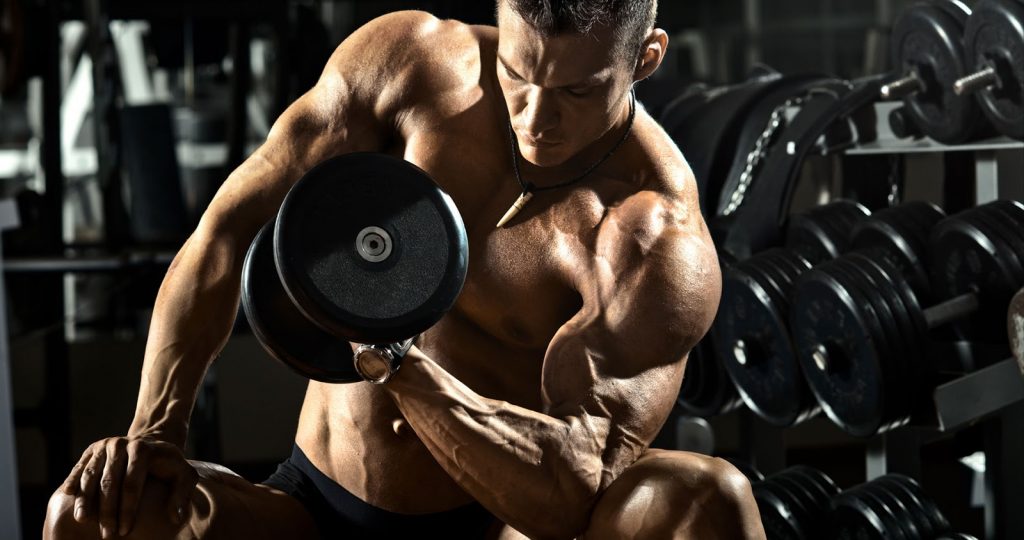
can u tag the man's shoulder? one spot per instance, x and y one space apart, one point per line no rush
404 39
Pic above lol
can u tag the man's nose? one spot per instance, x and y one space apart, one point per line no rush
541 112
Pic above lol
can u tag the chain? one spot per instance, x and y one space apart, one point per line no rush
760 150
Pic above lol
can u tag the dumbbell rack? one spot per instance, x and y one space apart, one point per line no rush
992 396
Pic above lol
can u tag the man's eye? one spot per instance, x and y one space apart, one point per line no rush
579 92
512 74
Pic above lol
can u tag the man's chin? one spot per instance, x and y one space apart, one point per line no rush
543 157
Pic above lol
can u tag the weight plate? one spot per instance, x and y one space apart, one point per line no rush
939 523
893 528
907 521
799 514
776 517
915 508
805 507
965 260
822 233
281 328
891 360
902 240
909 335
994 37
370 248
926 40
1005 212
990 222
706 390
750 333
817 483
825 319
920 218
899 382
854 519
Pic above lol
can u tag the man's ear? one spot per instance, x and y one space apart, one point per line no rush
654 47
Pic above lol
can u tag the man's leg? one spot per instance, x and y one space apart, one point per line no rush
223 505
672 494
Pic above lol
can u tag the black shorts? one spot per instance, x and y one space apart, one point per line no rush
340 514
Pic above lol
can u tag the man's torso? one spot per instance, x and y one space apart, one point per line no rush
521 284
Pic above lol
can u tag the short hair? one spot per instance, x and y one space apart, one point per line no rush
630 20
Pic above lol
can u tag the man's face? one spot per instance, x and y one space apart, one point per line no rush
562 92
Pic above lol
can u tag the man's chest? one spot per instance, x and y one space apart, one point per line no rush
522 279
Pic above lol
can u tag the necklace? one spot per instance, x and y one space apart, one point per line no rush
529 189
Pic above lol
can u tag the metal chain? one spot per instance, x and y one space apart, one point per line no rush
760 150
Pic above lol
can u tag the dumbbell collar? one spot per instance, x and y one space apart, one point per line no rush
377 363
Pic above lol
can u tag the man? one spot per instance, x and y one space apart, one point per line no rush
533 401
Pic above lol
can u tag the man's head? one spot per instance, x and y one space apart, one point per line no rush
629 20
565 68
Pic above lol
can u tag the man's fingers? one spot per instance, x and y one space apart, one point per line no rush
110 486
70 486
178 503
87 486
131 487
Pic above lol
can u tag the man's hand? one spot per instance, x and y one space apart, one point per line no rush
107 481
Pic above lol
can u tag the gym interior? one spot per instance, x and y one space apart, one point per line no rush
865 369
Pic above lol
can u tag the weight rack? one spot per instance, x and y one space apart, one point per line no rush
992 397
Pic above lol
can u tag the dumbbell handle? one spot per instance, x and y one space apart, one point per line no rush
951 310
901 88
976 81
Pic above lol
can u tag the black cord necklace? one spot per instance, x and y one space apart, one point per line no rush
529 189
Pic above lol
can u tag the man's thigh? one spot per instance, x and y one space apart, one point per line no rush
223 505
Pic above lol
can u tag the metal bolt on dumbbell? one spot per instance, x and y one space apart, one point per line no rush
994 40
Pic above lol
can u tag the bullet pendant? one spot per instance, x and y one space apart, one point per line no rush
515 208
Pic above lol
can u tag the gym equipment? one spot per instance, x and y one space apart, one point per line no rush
794 502
892 506
706 390
927 47
994 39
365 248
836 109
1015 327
859 329
822 233
751 332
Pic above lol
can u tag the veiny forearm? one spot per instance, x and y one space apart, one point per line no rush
538 473
192 320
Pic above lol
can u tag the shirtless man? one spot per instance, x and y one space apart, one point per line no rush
530 406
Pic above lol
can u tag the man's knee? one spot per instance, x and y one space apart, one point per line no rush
60 519
152 520
677 495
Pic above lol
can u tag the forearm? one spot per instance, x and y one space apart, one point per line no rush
192 319
538 473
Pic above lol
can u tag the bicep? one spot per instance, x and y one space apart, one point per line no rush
619 362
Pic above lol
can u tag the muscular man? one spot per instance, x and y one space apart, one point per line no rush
532 403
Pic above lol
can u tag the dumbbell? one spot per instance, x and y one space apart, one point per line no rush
859 328
1015 327
706 390
367 249
994 40
793 502
889 507
753 306
927 48
751 332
